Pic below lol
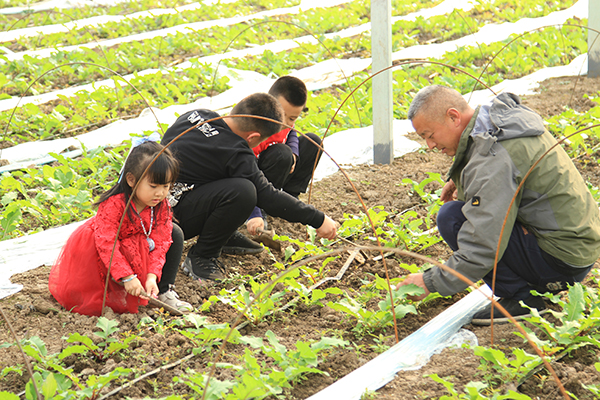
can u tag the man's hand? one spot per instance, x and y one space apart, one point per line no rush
254 224
449 192
416 279
294 164
328 229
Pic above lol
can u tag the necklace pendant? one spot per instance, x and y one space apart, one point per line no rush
151 245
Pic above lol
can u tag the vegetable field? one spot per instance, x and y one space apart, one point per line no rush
284 324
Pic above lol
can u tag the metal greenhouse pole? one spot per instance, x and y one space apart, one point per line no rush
593 39
381 53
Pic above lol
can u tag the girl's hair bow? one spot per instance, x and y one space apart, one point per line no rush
135 142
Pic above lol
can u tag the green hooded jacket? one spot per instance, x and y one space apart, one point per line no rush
496 151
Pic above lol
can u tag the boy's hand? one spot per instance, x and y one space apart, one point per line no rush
254 224
294 164
134 287
328 229
151 286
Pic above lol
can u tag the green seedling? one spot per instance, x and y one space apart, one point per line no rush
499 368
369 321
578 321
595 389
204 335
104 349
253 304
473 391
431 199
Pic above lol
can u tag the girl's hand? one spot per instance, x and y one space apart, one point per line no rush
151 286
134 287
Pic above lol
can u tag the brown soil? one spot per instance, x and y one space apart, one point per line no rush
33 311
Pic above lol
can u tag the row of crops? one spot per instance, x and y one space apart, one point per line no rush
176 68
168 85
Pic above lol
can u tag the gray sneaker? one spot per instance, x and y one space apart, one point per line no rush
171 298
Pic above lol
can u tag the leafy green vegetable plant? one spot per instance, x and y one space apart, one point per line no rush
369 321
105 348
473 391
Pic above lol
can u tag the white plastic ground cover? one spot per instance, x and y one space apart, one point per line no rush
182 28
327 68
492 33
25 154
355 147
317 76
413 352
28 252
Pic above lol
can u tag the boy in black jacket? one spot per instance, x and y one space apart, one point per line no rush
220 184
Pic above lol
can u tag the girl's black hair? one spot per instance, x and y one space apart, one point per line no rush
164 169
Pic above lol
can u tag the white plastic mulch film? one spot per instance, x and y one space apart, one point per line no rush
413 352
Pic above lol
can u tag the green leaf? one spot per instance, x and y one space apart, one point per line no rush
77 337
253 341
49 386
329 342
8 396
107 326
576 305
73 350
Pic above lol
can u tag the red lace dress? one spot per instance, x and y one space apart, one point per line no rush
78 277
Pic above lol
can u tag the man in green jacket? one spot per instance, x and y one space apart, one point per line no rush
552 234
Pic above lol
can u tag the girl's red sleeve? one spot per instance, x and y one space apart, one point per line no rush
106 224
162 236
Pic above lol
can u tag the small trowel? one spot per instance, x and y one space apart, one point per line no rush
266 237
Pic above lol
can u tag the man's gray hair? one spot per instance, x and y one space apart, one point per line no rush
436 100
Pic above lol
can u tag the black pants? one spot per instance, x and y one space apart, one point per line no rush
213 212
173 258
523 267
276 161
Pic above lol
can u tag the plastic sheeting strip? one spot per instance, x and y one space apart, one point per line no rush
29 252
411 353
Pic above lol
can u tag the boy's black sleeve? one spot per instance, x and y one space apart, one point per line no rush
276 203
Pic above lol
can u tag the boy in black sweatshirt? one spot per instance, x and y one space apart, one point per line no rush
220 183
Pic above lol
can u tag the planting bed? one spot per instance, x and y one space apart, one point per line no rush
33 311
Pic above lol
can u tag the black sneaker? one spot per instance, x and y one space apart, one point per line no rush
240 244
204 268
514 308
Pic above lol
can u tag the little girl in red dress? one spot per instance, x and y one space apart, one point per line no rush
137 257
